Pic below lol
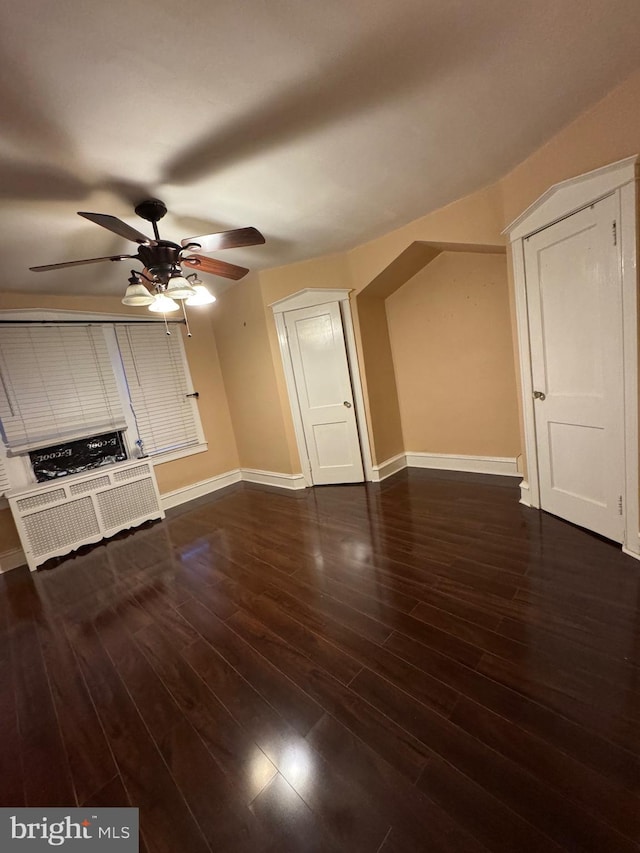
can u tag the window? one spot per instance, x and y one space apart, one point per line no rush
56 384
59 383
4 478
154 368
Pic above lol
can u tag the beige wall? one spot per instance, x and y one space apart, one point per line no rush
608 132
331 271
385 427
240 325
450 333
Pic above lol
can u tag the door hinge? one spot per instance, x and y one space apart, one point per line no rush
615 233
620 505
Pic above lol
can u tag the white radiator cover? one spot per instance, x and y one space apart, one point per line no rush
55 518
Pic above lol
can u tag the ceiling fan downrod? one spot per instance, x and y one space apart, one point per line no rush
152 209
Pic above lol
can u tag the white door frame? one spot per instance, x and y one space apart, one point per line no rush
308 298
560 201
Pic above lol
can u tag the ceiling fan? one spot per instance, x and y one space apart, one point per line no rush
163 259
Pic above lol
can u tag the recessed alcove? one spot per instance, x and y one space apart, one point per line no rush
437 351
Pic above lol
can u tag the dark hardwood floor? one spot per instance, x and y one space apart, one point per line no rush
420 665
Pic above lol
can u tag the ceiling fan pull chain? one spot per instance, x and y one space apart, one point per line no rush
166 325
186 319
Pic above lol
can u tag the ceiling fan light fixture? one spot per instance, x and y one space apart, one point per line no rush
201 296
163 304
179 288
137 295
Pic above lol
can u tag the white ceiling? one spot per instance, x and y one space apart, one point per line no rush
323 124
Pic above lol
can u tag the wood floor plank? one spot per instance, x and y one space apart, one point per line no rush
12 792
403 751
110 796
611 723
343 666
424 823
352 819
569 737
230 746
40 738
612 803
90 760
473 807
431 691
226 821
286 815
506 780
166 822
614 638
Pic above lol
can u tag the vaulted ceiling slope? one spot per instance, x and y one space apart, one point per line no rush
322 124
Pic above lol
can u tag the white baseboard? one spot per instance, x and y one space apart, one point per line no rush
525 493
388 467
221 481
635 554
473 464
504 465
272 478
198 490
12 560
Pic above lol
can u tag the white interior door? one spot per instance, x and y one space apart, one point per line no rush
574 296
323 386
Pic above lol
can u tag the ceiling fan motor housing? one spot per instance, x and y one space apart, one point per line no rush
161 259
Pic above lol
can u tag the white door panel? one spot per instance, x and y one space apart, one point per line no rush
323 385
574 297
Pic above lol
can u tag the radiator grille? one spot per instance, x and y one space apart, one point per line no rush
34 501
60 526
58 518
130 473
89 485
127 503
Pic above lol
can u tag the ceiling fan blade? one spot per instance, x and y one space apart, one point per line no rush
78 263
226 239
112 223
214 267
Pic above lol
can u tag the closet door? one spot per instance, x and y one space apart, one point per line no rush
574 297
324 392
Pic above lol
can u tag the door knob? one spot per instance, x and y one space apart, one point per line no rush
539 395
347 404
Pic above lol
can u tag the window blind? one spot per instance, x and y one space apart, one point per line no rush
4 478
56 384
155 370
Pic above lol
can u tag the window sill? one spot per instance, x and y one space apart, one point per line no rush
171 455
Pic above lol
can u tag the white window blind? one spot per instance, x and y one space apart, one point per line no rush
155 370
4 478
56 384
